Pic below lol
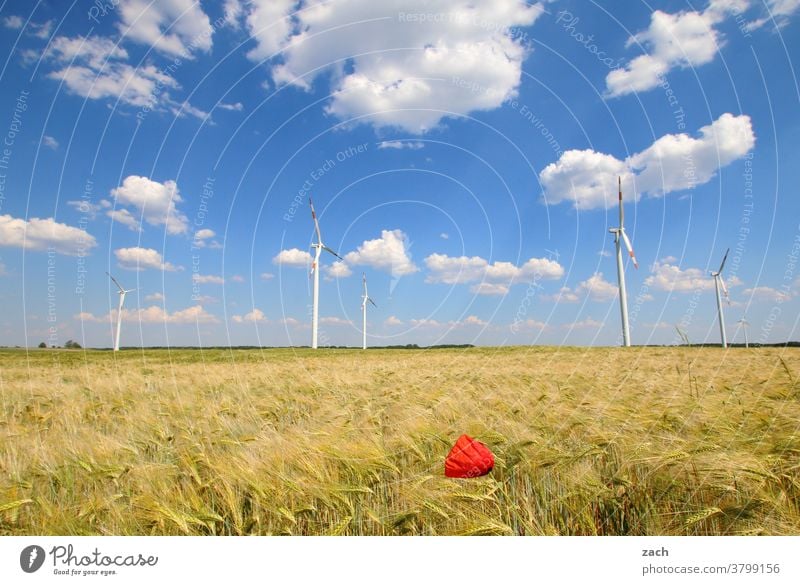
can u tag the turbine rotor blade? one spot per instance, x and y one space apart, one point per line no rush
316 222
373 302
630 249
119 286
724 289
327 249
721 266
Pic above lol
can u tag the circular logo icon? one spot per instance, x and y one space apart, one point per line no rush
31 558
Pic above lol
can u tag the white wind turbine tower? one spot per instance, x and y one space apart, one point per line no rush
318 248
720 283
122 293
364 298
744 324
619 237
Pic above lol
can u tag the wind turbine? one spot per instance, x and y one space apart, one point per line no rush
122 293
744 324
720 283
364 298
619 237
318 248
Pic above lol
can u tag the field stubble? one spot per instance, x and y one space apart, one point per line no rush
675 441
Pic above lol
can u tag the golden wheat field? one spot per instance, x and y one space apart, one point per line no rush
652 441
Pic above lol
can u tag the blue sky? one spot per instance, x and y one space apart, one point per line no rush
464 156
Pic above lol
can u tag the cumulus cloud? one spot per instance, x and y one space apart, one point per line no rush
126 218
156 296
175 27
489 289
587 323
294 257
389 253
156 202
489 279
462 57
334 321
141 259
674 162
392 321
401 145
669 277
204 234
338 270
13 22
767 293
42 234
685 39
207 278
155 314
596 288
50 142
95 68
777 11
254 316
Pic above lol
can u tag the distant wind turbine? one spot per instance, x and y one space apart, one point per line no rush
719 283
744 324
318 248
364 299
619 237
122 293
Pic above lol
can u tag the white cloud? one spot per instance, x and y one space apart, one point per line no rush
472 320
93 67
388 253
156 296
668 277
293 257
50 142
674 162
489 289
444 236
779 10
267 276
86 207
233 13
587 323
685 39
175 27
235 107
461 58
13 22
401 144
392 321
155 314
459 270
207 278
142 258
334 321
338 270
766 293
431 323
157 202
204 234
237 278
254 316
596 288
41 234
126 218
